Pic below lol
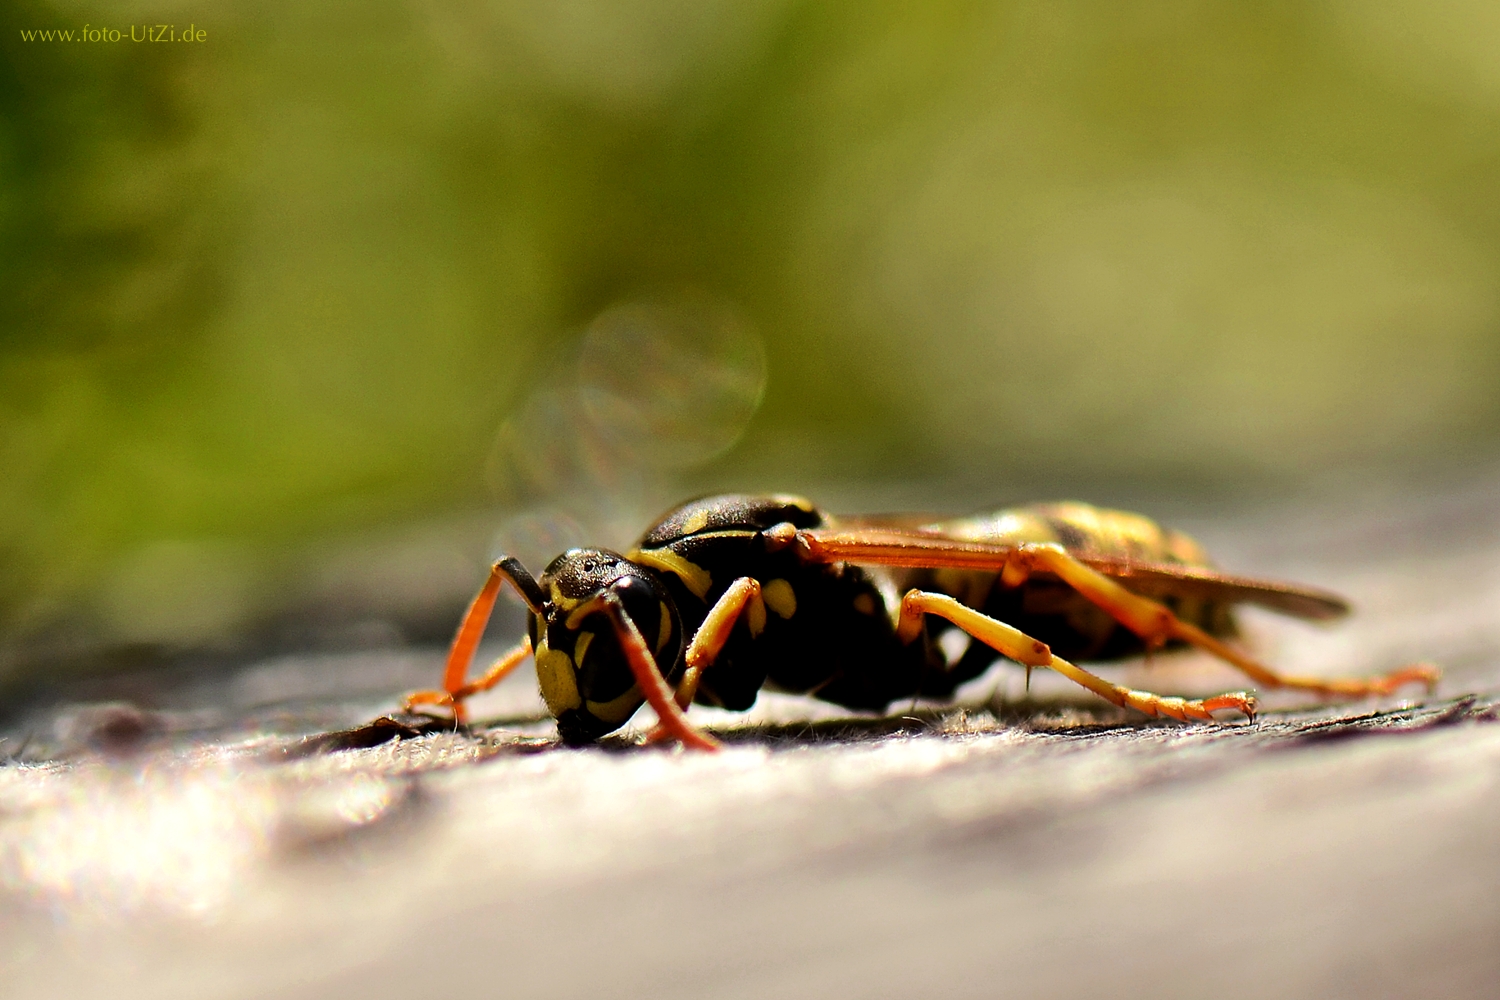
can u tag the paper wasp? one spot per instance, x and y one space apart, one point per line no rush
727 594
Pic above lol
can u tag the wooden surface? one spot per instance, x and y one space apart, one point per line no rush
217 844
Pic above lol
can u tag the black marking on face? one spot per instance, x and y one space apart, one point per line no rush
584 674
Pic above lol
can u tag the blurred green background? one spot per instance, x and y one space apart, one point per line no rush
281 310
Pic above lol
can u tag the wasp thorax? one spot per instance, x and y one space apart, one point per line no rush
592 597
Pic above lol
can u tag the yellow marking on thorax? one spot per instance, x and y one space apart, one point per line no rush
616 710
693 576
780 597
696 523
554 675
779 536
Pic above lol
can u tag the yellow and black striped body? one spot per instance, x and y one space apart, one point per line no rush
1048 609
727 595
827 628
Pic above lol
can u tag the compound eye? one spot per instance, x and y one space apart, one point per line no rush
653 618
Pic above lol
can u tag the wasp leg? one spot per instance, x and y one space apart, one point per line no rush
742 598
1019 646
499 670
1156 624
650 680
471 630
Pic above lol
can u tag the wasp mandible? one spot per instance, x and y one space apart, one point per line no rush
727 594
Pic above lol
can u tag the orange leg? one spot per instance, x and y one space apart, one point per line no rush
470 631
742 598
1022 648
1156 624
499 670
650 680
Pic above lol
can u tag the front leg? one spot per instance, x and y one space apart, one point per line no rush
498 671
649 679
743 598
470 630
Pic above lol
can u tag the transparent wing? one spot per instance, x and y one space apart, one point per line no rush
917 541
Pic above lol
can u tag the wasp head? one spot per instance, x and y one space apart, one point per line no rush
581 665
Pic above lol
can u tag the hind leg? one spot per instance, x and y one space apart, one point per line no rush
1019 646
1156 625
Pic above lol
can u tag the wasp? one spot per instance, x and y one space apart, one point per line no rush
728 594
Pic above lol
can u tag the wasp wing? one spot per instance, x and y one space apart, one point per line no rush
907 522
1163 579
880 541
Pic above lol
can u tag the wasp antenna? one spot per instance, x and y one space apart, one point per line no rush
525 583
